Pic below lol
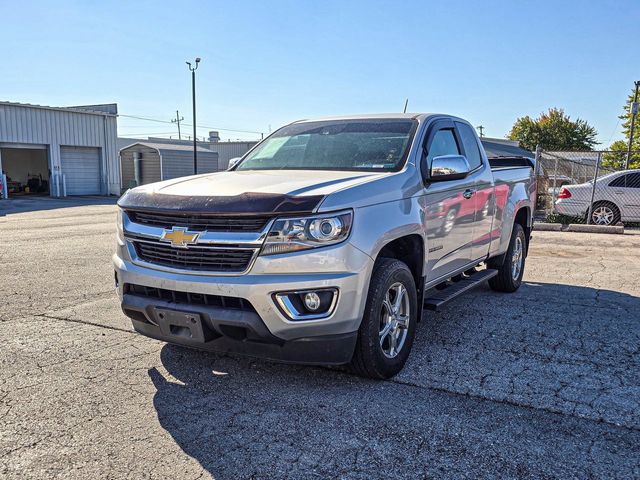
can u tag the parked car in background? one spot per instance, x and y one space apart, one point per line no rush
556 182
616 198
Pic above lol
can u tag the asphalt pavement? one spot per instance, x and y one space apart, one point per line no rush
543 383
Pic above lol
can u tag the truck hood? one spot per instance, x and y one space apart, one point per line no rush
257 191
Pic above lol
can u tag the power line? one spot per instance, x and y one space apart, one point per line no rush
144 134
188 124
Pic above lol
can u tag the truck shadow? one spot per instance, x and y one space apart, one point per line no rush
550 347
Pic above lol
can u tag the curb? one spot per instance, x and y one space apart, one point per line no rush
547 227
576 227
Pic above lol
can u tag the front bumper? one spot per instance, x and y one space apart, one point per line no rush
268 333
223 331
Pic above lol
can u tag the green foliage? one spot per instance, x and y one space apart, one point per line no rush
617 156
554 217
553 130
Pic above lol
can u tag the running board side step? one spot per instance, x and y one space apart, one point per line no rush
441 297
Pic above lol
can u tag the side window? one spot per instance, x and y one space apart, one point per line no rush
470 144
630 180
442 143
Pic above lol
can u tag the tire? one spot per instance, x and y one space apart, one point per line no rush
604 213
374 356
509 276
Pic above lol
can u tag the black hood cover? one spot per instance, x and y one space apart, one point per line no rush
253 203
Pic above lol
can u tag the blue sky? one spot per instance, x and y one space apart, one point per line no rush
267 63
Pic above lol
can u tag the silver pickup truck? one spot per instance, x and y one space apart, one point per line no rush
325 242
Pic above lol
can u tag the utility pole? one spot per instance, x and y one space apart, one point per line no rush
193 95
634 112
481 129
177 120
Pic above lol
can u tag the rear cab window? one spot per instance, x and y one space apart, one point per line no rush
470 145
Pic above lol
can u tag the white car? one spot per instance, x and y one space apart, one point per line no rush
616 199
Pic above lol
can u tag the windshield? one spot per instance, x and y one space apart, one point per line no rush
380 145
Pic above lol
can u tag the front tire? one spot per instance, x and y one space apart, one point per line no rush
389 322
510 273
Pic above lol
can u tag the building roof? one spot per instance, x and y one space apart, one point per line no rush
103 109
168 147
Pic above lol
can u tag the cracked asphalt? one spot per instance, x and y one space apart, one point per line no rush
543 383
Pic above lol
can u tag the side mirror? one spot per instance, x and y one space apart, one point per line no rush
448 167
233 162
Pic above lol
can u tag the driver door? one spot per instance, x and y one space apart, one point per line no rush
448 205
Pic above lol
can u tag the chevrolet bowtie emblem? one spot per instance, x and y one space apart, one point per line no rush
179 237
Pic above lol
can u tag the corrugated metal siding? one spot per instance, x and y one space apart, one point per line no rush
126 169
32 125
150 165
180 163
228 150
207 162
81 170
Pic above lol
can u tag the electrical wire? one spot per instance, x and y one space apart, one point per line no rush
189 125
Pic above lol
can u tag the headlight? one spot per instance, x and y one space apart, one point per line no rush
120 224
293 234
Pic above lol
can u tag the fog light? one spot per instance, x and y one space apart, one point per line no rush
307 304
312 301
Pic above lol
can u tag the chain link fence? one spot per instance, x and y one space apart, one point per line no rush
591 187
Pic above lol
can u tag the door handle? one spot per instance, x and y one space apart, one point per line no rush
468 193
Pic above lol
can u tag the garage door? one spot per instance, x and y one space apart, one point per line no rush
81 168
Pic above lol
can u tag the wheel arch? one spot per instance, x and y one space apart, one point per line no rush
410 250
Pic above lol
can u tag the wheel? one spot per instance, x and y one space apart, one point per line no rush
510 272
389 322
604 213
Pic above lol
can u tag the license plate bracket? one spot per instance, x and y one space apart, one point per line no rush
180 325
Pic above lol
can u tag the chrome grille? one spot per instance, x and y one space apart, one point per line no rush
212 223
211 259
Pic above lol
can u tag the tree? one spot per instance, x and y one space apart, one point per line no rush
617 155
553 130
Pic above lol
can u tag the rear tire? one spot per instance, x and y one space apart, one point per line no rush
389 322
604 213
510 273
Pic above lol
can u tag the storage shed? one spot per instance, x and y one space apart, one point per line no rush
146 162
59 151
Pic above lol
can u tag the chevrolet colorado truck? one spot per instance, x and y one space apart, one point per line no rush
325 242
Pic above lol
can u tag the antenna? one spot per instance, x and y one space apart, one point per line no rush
406 103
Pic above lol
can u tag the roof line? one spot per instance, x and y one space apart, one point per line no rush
61 109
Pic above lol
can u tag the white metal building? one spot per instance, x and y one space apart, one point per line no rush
225 150
59 151
148 162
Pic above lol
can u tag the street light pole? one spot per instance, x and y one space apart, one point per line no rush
634 112
193 95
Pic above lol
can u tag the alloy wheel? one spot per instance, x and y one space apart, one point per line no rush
394 320
603 215
516 259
